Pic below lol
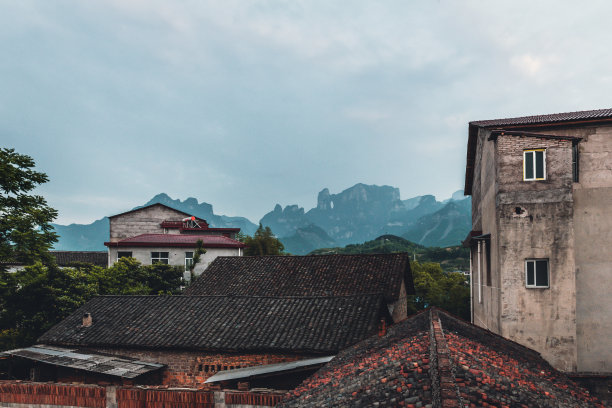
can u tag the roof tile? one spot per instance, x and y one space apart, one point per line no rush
312 275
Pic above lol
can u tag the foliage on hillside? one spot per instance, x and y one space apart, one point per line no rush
40 296
263 242
451 258
434 287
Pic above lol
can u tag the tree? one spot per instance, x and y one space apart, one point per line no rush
434 287
200 250
39 296
25 231
263 242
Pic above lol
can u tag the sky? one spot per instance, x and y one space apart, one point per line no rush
245 104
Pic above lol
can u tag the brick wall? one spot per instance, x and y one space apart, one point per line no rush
16 394
191 369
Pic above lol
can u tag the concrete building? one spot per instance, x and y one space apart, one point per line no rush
160 234
541 239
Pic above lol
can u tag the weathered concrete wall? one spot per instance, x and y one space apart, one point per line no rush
486 313
543 228
176 256
593 251
399 309
145 221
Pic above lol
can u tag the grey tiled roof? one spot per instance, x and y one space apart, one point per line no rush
313 275
222 323
67 258
551 118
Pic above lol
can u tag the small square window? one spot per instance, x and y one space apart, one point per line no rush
159 257
124 254
536 273
534 164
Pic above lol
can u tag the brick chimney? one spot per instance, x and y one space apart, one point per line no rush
87 320
382 328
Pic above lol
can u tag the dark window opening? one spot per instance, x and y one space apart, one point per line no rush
124 254
575 163
159 257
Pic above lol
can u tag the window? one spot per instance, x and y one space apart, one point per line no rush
534 164
536 273
159 257
575 162
188 261
124 254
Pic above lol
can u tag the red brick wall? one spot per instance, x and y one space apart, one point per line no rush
32 394
188 368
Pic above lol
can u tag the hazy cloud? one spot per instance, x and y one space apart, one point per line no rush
244 104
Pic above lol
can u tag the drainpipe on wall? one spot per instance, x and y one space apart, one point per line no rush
471 289
479 275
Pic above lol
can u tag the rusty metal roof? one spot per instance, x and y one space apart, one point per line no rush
94 362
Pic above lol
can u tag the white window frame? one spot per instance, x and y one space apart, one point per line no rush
159 258
535 283
532 151
188 258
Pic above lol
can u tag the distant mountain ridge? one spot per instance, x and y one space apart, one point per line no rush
363 212
353 216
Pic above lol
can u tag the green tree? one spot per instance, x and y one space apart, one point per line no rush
39 296
434 287
263 242
197 255
25 231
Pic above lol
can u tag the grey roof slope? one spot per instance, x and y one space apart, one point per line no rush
545 119
67 258
221 323
312 275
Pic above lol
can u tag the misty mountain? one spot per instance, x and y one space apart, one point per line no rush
353 216
445 227
363 212
91 237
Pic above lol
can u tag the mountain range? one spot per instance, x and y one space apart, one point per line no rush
355 215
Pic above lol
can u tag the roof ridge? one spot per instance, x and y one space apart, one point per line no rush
182 296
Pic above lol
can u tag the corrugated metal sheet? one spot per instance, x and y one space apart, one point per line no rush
267 369
93 362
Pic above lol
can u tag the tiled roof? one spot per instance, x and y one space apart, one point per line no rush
177 240
221 323
551 118
434 358
87 361
67 258
149 206
318 275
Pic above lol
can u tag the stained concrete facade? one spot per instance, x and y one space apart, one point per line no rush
564 220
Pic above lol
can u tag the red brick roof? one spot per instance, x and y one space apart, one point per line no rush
435 358
177 240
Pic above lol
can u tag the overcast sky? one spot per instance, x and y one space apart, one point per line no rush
245 104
